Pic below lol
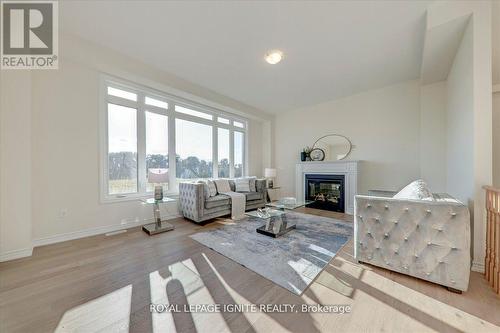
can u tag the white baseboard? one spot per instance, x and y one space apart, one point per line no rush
92 232
478 267
16 254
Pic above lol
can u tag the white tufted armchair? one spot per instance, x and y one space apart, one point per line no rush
429 240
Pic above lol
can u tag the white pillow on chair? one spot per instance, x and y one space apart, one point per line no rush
417 190
222 185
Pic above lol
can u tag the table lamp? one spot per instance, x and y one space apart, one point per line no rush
158 177
270 174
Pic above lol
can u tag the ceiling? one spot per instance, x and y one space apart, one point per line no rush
332 49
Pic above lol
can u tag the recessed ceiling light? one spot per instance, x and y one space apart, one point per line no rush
273 57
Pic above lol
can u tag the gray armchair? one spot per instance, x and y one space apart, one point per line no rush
429 240
196 205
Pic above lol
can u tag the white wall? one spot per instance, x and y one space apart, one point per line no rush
496 139
433 135
480 26
383 125
15 164
460 117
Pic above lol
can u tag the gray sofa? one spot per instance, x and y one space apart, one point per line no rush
196 205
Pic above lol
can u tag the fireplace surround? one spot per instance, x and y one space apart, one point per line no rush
348 169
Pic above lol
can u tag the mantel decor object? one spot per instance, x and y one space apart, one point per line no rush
331 147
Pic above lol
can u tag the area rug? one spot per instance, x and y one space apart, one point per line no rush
293 260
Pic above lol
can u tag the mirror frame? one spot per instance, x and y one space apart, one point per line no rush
334 134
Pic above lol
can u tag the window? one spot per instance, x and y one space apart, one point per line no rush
193 112
223 153
122 93
144 129
156 146
193 147
238 124
156 102
223 120
122 149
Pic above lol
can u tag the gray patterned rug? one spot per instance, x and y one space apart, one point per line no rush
293 260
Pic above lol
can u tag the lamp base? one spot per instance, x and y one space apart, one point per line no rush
270 183
158 192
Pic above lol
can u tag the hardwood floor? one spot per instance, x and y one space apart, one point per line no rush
108 283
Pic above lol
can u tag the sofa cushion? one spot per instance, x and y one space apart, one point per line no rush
416 190
216 201
222 185
253 195
242 184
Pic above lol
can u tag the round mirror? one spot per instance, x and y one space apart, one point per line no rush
335 146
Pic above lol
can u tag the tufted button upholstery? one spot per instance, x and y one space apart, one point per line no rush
426 239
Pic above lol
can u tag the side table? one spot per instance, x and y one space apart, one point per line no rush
158 226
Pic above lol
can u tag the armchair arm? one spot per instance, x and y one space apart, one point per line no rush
192 199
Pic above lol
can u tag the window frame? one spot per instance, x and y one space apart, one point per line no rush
141 107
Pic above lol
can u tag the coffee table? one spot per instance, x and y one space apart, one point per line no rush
283 204
276 223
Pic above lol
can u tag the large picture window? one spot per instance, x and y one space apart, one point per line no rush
193 149
145 130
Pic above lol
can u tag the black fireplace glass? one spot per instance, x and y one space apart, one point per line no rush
326 192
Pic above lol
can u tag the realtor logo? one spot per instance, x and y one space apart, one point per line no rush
29 35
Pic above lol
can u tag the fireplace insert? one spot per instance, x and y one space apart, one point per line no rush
326 192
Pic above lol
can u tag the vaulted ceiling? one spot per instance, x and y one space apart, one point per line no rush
332 49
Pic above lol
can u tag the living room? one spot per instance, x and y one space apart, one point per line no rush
165 168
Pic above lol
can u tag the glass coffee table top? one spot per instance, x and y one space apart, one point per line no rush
265 214
288 204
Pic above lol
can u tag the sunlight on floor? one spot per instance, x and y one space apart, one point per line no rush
417 311
108 313
239 299
424 307
195 292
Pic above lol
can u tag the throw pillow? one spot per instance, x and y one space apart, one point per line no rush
212 190
253 184
222 185
242 184
417 190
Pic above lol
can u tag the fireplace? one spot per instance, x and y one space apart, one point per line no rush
327 191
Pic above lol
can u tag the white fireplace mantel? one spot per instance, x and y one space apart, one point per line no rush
347 168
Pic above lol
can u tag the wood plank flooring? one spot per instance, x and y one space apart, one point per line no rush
108 283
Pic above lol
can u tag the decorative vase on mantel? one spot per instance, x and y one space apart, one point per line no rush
303 156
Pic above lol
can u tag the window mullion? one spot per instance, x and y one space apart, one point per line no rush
141 145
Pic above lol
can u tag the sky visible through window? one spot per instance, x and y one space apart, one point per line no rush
193 139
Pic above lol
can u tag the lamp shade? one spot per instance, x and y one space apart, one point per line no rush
269 173
158 176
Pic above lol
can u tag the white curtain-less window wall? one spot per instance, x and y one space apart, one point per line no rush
148 130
